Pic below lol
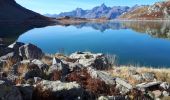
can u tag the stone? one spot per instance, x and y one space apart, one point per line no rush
138 77
33 71
15 46
4 50
59 66
87 59
165 93
9 92
44 67
123 83
107 78
148 76
157 93
30 51
165 85
112 98
66 90
148 85
11 55
75 66
132 72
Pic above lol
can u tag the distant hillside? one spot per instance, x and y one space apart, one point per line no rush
11 11
97 12
160 10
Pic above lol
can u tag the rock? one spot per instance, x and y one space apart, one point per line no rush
4 50
9 92
165 85
148 76
132 72
26 90
165 93
75 66
112 98
87 59
41 65
33 71
15 46
138 77
157 93
148 85
59 66
123 83
68 91
108 79
11 55
30 51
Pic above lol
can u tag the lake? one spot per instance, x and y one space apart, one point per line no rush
136 43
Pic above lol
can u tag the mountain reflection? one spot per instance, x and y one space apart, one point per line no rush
159 29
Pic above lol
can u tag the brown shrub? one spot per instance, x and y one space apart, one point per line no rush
56 75
40 94
94 86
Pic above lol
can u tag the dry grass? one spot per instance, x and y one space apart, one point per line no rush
161 74
8 65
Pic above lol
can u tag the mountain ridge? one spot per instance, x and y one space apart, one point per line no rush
101 11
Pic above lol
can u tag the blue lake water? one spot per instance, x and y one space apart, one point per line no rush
132 43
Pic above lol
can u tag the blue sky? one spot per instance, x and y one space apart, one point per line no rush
57 6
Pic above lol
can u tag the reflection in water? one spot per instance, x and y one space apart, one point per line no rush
159 29
9 32
123 39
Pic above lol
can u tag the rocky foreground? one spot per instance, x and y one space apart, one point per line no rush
29 74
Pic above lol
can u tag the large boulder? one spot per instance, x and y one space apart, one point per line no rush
62 90
87 59
12 56
44 67
4 50
15 46
59 66
33 71
30 51
9 92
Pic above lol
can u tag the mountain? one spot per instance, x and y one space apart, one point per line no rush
97 12
160 10
11 11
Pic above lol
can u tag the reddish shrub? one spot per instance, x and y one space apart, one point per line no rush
56 75
40 94
94 86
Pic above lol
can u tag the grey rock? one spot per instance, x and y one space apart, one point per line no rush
165 93
30 51
165 85
107 78
138 77
112 98
148 76
123 90
148 85
44 67
59 66
11 55
9 92
15 46
68 90
87 59
4 50
157 93
123 83
34 71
